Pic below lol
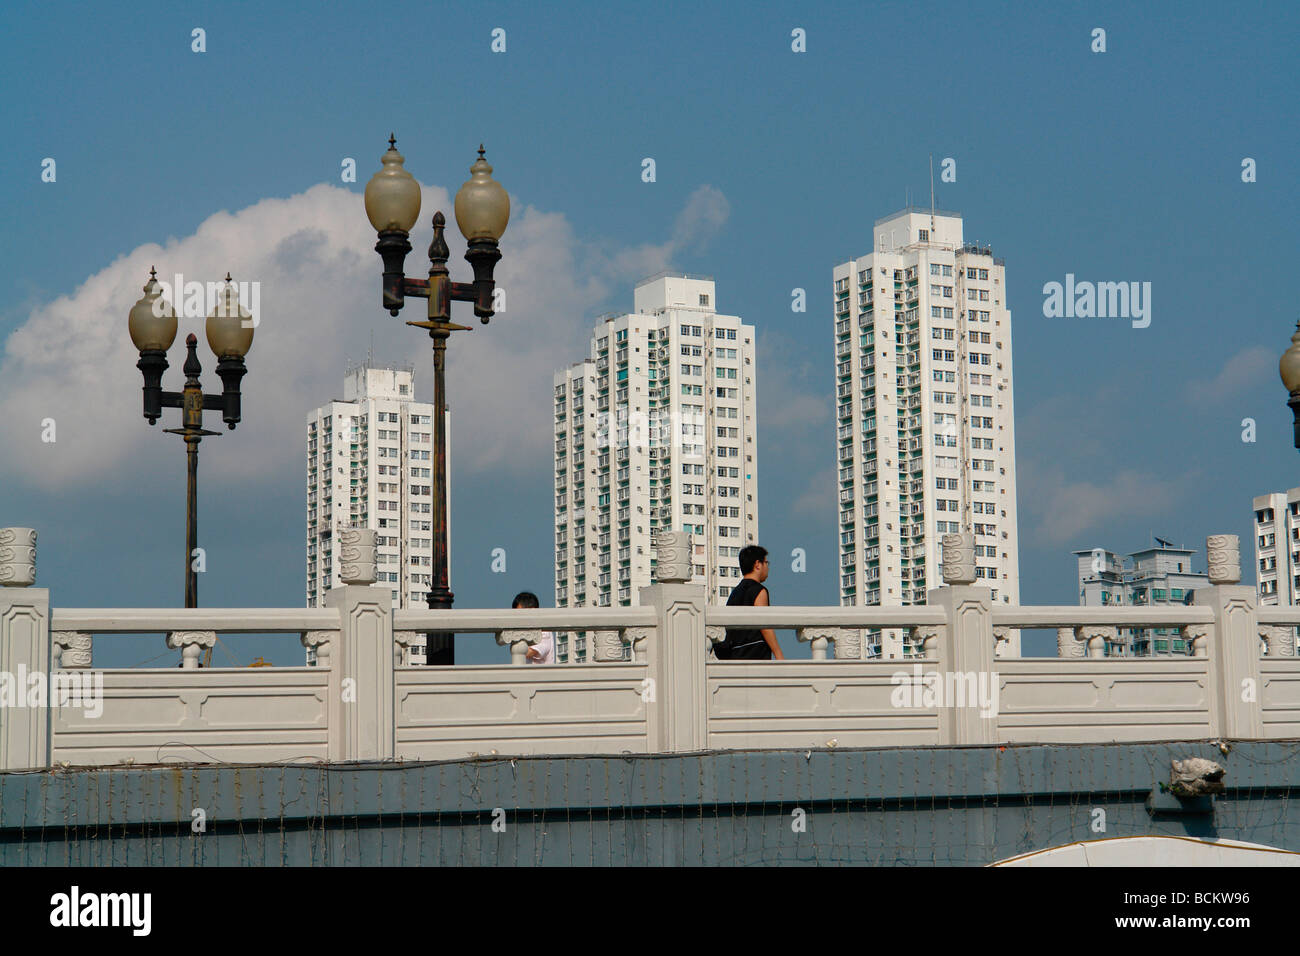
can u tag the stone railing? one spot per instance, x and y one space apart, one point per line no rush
962 681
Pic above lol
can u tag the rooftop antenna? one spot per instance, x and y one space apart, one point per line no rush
932 195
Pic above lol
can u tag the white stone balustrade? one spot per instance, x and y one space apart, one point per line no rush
363 702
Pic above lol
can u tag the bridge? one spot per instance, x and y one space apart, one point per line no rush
671 734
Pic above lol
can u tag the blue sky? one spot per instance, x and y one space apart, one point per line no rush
1115 166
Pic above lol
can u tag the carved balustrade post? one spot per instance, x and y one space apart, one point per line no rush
1279 639
1235 681
319 641
24 649
72 650
402 644
606 646
677 702
965 645
519 639
714 634
192 645
820 638
363 726
639 636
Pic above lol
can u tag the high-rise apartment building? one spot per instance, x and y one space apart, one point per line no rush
1161 575
369 465
925 418
1277 547
655 430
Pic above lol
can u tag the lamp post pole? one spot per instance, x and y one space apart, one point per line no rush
482 212
192 430
440 595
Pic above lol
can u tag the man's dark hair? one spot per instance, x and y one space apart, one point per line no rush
750 555
525 599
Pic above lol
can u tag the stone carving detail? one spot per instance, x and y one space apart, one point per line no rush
72 649
1196 777
1279 639
924 635
402 641
1002 641
673 557
606 646
17 557
519 639
191 644
959 558
639 636
820 638
1224 553
1096 636
716 635
357 555
848 644
1068 643
320 640
1198 636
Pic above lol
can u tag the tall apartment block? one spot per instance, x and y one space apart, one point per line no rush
369 461
1277 547
925 418
1160 575
655 430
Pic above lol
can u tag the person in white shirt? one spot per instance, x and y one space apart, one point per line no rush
543 652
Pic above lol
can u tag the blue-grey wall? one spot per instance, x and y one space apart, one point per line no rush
909 807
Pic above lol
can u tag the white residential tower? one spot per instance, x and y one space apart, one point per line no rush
369 465
655 430
925 418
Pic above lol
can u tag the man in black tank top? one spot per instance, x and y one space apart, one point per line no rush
750 644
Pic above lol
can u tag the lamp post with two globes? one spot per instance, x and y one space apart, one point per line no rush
482 209
152 324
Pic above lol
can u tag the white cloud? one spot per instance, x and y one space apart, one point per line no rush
1056 511
312 253
704 215
1245 369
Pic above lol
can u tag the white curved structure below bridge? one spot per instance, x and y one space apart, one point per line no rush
1156 851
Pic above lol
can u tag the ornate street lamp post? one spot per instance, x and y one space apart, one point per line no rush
1289 369
152 324
482 211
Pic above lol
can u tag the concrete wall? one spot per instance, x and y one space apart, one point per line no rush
908 806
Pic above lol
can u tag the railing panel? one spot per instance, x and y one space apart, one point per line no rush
191 716
446 713
1093 700
769 705
1280 696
